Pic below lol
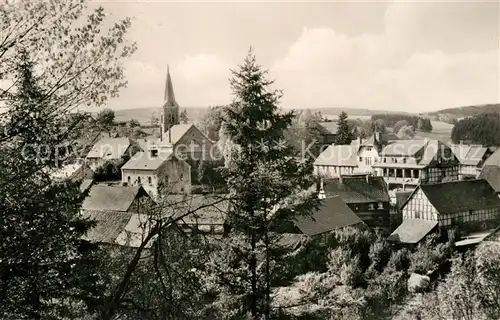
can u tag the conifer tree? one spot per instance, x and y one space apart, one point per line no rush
265 182
343 136
184 116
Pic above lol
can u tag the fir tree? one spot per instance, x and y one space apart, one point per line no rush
184 116
265 181
343 136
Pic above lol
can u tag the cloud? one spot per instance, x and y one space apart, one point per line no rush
418 63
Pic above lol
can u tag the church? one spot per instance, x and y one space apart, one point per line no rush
184 140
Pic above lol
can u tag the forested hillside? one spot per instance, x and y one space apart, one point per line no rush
483 129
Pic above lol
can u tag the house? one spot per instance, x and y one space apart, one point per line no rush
451 208
152 168
117 150
358 157
407 163
366 195
327 131
332 214
204 213
114 209
184 140
471 158
491 170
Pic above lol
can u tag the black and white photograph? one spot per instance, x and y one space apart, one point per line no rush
249 160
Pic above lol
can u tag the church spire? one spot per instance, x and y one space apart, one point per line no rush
169 99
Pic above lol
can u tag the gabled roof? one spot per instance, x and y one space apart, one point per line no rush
329 127
145 161
492 175
494 159
355 189
332 214
208 209
403 148
111 198
109 224
412 230
338 155
176 132
469 154
460 196
109 148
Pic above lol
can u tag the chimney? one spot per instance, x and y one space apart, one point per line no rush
321 194
461 142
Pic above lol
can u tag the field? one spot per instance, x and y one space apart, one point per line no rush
440 131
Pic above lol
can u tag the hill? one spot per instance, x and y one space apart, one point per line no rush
143 115
468 111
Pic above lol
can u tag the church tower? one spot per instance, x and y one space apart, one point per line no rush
170 115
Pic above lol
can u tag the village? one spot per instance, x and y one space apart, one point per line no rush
249 160
409 189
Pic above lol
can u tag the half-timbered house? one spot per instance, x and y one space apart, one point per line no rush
452 208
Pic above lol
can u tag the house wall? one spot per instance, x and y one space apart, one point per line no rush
419 207
196 146
468 217
366 157
375 215
178 174
149 179
468 170
333 171
438 173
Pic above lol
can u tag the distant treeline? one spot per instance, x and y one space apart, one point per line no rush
419 123
482 129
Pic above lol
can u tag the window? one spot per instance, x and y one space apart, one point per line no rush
369 149
181 176
385 160
139 180
381 206
149 180
417 214
371 206
128 180
404 160
360 159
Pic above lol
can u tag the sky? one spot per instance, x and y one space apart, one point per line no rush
406 56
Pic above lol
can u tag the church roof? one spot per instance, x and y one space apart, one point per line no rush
169 99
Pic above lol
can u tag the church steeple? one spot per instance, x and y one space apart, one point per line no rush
169 98
171 115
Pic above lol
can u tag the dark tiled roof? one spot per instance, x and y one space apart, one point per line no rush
492 175
109 224
357 190
208 209
110 198
412 230
459 196
332 214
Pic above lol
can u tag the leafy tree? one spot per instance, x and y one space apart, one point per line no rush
406 132
46 270
399 125
105 119
344 135
184 116
155 121
134 123
303 132
211 122
265 182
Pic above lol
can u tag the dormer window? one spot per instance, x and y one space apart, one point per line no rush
380 206
371 206
154 153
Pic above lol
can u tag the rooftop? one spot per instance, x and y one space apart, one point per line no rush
109 148
469 154
145 161
491 174
338 155
412 230
111 198
357 189
460 196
